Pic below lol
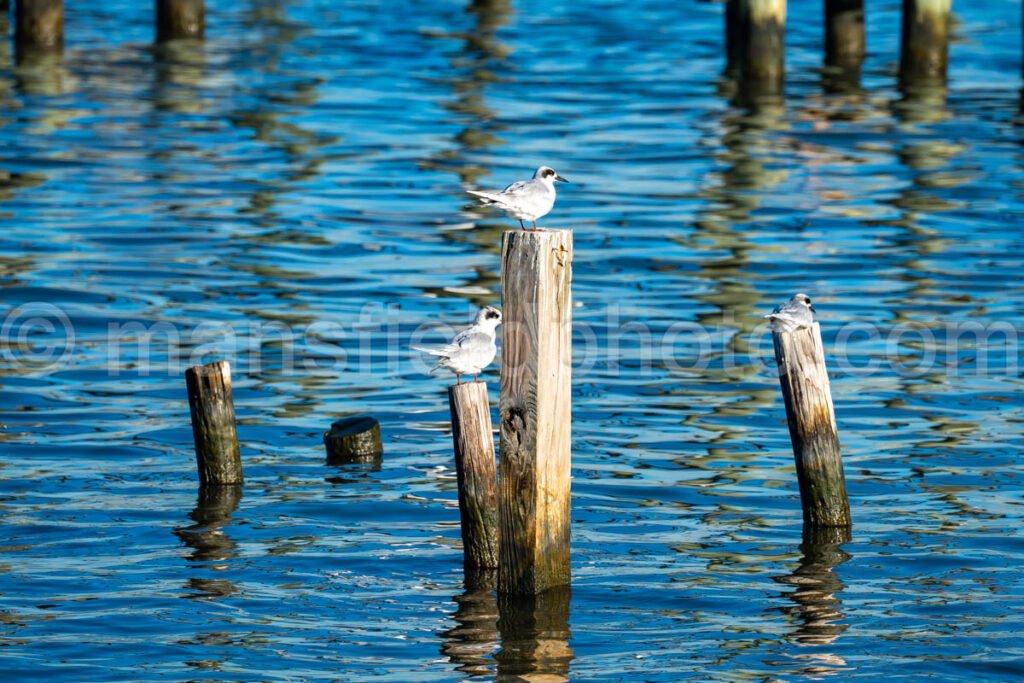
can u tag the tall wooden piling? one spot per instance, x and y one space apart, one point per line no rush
755 45
177 19
844 34
924 51
477 473
812 425
213 423
536 413
38 27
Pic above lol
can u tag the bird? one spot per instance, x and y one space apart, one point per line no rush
525 200
793 314
472 349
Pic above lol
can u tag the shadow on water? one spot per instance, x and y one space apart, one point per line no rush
817 608
211 547
526 636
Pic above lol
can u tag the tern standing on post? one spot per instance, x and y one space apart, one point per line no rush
471 350
526 200
793 314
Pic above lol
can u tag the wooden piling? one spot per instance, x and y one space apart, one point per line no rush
177 19
536 413
213 423
844 34
38 27
755 45
354 439
812 425
924 51
477 473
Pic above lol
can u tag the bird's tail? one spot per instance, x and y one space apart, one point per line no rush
432 352
486 197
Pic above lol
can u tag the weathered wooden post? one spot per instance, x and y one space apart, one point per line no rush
844 34
924 51
180 19
354 440
213 423
536 411
755 45
38 27
812 425
477 473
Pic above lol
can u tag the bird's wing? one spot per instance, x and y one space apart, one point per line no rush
466 338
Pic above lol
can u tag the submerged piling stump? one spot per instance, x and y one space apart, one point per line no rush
213 424
180 19
844 34
755 45
812 425
354 440
38 27
536 411
477 473
924 50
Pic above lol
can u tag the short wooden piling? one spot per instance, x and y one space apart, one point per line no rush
354 439
536 413
812 425
177 19
38 27
844 34
213 423
477 473
924 51
755 45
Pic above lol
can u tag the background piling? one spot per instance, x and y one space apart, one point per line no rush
213 423
924 50
38 27
354 439
477 473
180 19
755 45
812 426
536 413
844 34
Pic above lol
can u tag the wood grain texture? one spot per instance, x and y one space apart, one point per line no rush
844 33
924 49
812 426
755 44
39 25
355 439
475 466
536 411
176 19
213 424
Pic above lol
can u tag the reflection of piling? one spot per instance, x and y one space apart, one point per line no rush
534 636
924 51
180 19
213 423
844 34
38 27
354 440
755 36
476 469
471 643
536 391
816 602
812 425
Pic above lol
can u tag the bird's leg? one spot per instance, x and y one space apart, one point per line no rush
534 225
521 224
458 378
474 378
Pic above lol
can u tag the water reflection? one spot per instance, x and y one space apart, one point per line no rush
817 607
472 642
211 548
534 636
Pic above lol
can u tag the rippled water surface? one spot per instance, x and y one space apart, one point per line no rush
290 196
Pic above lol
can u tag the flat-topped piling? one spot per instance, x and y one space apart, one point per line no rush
535 410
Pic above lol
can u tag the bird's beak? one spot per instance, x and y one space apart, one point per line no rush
811 308
561 179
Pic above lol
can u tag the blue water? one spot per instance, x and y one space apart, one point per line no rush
290 197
